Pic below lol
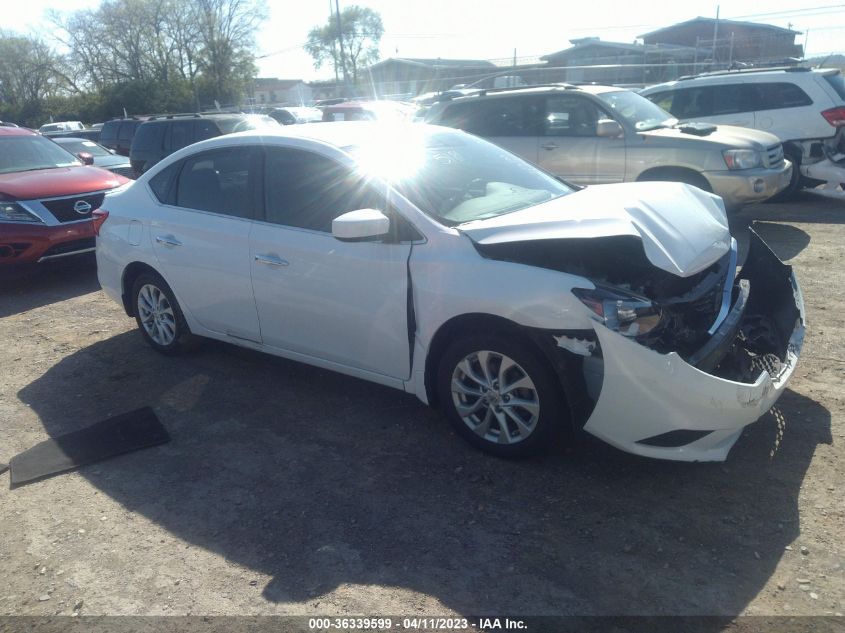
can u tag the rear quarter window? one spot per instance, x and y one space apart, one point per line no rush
773 96
837 83
162 183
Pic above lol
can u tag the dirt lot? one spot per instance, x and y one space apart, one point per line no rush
291 490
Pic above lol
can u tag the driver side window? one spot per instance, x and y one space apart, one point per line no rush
568 115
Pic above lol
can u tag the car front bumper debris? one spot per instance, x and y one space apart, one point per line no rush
694 409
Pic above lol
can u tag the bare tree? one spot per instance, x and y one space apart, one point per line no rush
362 31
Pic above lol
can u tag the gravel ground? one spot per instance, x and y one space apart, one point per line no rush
291 490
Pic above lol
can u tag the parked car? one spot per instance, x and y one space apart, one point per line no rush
46 199
90 134
92 153
8 124
803 107
432 261
292 115
369 111
117 134
160 136
61 126
601 134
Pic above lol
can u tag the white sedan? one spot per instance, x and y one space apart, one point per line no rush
429 260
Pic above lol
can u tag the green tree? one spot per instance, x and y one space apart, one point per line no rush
362 31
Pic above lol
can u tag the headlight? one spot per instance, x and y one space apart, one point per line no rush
629 315
13 212
742 158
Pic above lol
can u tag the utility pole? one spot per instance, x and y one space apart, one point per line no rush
342 52
715 35
334 46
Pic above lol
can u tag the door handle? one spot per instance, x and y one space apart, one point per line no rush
168 240
271 260
549 146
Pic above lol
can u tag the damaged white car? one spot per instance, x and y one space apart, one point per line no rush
432 261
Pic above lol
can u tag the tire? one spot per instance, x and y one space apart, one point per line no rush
159 317
490 421
794 182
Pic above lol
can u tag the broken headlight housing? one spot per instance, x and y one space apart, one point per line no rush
742 158
628 314
13 212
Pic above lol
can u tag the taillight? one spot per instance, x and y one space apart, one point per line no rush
99 216
835 116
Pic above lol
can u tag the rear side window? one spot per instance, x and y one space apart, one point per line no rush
162 183
781 95
148 137
496 117
109 131
203 129
180 134
220 181
732 99
837 83
127 131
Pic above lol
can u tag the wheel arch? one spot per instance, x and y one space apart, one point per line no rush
568 373
130 274
676 174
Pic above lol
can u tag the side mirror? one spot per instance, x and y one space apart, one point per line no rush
86 158
608 128
360 225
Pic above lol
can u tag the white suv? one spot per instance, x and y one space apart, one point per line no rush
803 107
429 260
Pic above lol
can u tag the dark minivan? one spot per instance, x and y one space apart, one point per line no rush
117 134
160 136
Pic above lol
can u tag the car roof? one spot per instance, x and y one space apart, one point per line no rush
59 139
17 131
340 134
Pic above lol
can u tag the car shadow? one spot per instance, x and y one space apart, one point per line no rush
25 287
805 206
319 480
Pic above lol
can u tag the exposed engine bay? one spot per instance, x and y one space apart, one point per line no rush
732 334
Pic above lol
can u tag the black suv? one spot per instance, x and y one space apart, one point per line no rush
117 134
160 136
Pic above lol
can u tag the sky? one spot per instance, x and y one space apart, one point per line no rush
470 29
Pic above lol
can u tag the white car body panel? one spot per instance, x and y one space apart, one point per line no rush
343 305
296 318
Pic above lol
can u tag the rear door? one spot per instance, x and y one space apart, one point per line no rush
200 236
784 109
512 122
570 147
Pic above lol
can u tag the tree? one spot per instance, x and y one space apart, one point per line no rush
29 74
362 31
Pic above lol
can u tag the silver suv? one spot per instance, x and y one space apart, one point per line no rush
803 107
602 134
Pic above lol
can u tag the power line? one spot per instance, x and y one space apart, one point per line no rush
789 11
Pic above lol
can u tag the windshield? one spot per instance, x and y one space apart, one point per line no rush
455 177
636 110
23 153
75 146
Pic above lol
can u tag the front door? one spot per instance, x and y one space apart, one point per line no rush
342 302
570 147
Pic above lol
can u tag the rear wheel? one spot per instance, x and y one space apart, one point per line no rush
158 315
499 395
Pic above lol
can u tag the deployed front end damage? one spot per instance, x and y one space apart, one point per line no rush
693 406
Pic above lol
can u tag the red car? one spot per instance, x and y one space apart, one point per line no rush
47 196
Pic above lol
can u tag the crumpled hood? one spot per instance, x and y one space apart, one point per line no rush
683 228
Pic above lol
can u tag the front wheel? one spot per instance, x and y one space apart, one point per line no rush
500 396
158 315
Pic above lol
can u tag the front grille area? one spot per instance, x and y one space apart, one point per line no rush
63 210
773 155
65 248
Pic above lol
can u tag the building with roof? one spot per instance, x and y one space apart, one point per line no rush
591 59
404 77
731 41
269 90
